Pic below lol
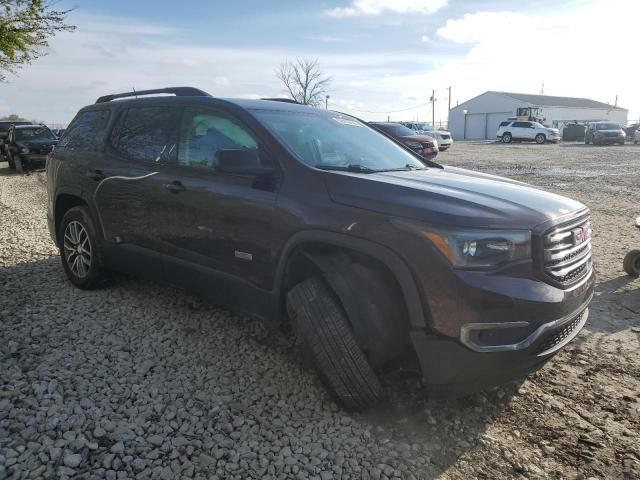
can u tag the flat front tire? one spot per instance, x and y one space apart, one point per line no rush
323 327
80 250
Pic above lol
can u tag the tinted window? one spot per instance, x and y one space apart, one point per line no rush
208 138
335 140
504 124
395 129
521 124
87 131
146 134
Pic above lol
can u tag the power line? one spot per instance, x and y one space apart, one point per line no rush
384 111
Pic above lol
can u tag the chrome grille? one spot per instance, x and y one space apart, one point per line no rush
567 252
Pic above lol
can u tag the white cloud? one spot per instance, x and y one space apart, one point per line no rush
377 7
582 52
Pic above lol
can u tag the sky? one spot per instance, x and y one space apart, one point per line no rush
384 56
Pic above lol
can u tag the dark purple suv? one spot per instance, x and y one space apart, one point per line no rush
374 254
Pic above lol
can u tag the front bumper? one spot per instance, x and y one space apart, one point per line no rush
459 369
554 138
608 140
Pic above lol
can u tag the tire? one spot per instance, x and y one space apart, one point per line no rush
586 140
17 161
631 263
506 137
541 139
77 229
635 142
10 160
324 329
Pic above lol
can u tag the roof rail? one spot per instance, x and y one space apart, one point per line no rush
177 91
285 100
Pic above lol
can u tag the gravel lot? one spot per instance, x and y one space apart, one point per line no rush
143 381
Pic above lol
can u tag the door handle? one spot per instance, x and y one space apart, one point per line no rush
96 175
175 187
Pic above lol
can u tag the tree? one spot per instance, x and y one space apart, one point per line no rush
304 81
13 118
25 27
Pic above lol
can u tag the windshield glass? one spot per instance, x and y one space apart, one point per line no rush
4 130
607 126
423 126
34 133
336 140
395 129
537 125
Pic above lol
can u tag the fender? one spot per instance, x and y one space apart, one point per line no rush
390 259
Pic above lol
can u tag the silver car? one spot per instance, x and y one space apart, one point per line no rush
601 133
443 137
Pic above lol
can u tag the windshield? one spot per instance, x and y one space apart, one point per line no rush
395 129
537 125
336 140
608 126
423 126
4 130
34 133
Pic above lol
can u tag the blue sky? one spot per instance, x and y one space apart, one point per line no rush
382 55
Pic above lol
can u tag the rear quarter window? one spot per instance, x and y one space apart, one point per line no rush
87 131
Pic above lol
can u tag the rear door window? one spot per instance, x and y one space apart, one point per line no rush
87 131
520 124
146 134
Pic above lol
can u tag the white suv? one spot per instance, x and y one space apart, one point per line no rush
527 131
444 138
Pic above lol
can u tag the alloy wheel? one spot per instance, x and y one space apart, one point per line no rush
77 247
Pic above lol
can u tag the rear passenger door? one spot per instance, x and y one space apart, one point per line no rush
131 186
222 212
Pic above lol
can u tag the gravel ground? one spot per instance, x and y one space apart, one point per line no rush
143 381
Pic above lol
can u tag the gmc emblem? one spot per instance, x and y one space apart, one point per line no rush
581 234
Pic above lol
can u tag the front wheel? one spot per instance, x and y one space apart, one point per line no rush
506 137
324 329
18 164
540 139
11 161
631 263
80 250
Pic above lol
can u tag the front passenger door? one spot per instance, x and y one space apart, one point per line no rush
221 216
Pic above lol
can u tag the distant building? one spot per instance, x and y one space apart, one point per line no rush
479 118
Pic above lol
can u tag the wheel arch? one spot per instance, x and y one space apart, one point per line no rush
305 246
63 203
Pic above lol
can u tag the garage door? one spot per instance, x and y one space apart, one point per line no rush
475 126
493 122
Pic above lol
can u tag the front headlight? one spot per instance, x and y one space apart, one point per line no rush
24 150
481 248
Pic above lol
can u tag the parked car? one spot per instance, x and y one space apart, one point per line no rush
374 253
636 137
601 133
517 130
443 137
631 130
5 126
422 144
631 263
28 145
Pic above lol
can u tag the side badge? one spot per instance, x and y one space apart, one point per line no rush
244 256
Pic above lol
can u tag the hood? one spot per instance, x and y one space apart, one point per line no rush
36 144
418 138
554 130
450 196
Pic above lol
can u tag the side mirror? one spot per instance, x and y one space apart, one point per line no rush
242 161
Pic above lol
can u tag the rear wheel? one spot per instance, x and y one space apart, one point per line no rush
586 140
506 137
540 139
324 328
631 263
80 250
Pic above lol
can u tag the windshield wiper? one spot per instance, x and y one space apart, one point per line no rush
406 168
346 168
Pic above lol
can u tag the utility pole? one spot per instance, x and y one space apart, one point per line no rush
433 108
449 111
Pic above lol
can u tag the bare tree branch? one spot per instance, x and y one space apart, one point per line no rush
304 81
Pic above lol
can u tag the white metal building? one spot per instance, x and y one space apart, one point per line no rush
479 118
